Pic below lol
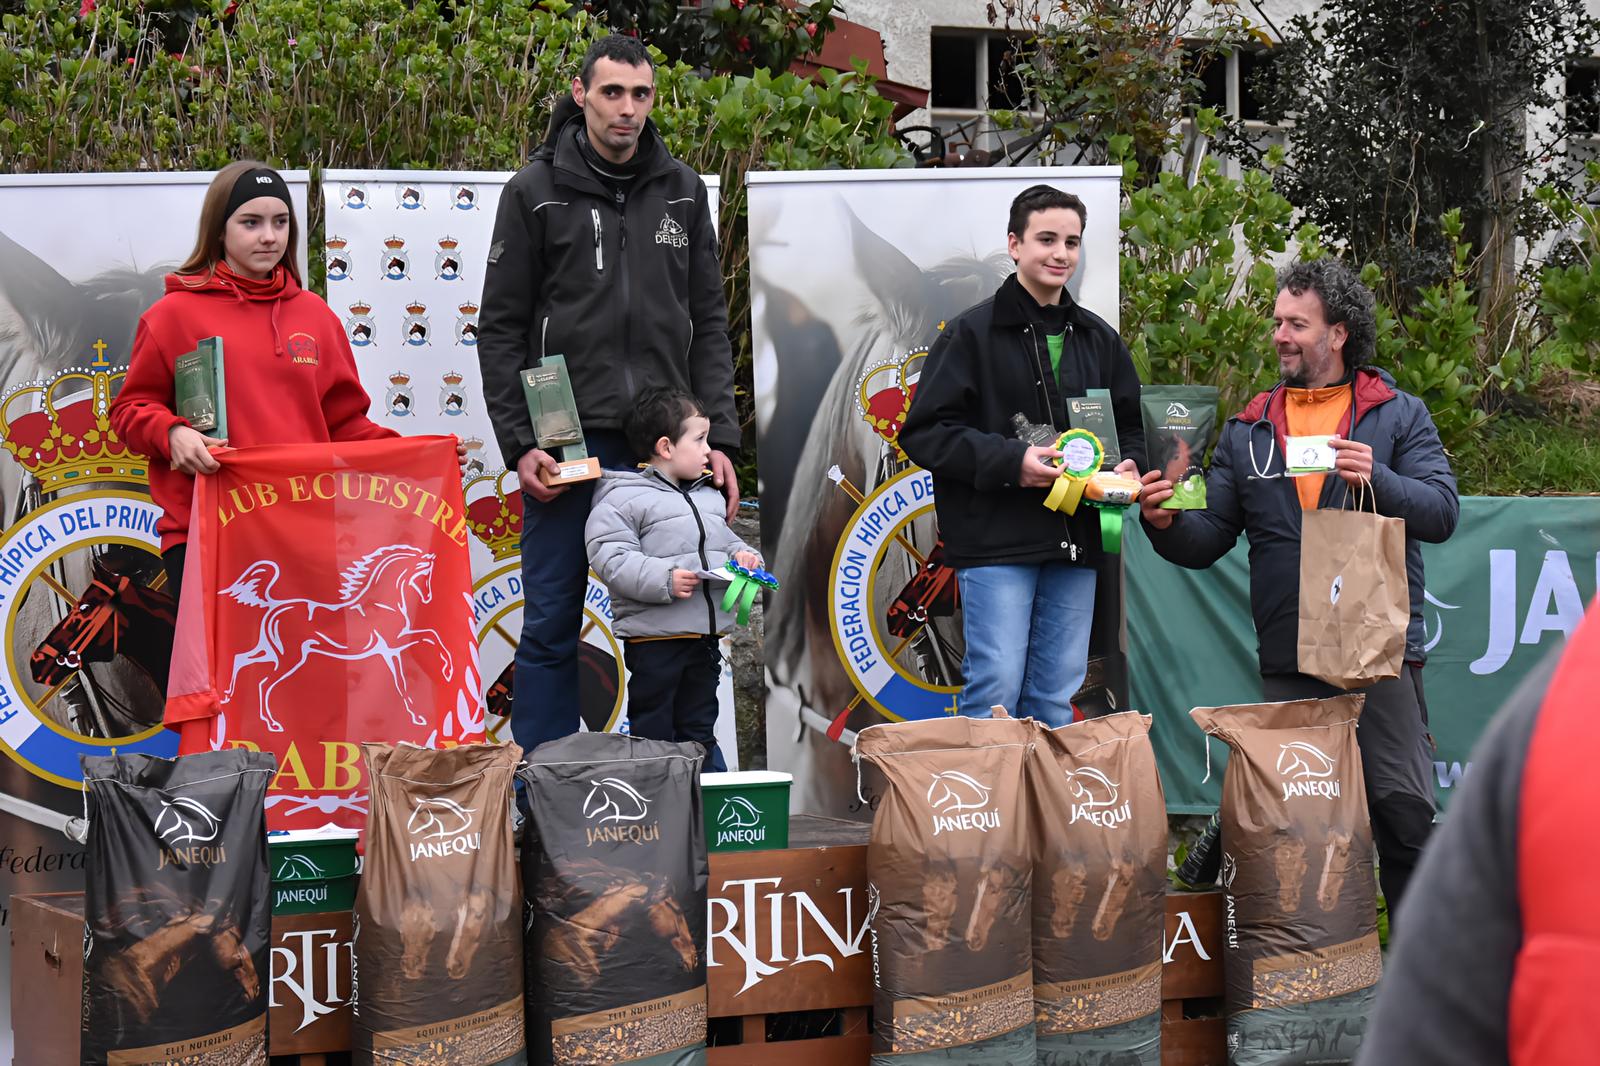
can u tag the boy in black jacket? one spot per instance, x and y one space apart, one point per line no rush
1027 573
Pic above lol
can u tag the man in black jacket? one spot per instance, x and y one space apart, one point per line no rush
1326 327
603 252
1026 572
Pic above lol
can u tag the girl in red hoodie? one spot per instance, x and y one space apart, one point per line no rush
291 377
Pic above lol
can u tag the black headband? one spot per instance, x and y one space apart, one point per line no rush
258 182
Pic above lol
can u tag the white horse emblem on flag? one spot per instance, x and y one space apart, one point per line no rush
370 620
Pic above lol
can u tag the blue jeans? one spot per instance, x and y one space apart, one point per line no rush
555 575
1027 629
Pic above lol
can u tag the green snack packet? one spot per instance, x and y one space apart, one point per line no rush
1178 423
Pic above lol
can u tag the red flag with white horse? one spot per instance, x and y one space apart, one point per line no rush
327 600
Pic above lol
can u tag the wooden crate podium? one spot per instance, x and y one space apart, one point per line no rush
47 982
784 912
787 953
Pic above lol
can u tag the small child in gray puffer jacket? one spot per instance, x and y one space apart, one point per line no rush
650 533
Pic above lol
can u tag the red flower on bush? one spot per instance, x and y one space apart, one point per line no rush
743 44
86 9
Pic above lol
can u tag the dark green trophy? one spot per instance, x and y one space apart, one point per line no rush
556 428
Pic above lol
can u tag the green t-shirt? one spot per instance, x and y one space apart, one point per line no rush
1055 342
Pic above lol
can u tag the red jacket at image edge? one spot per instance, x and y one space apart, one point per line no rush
290 378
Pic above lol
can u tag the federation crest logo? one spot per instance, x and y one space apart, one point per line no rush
467 324
87 620
353 197
415 328
884 395
359 325
465 198
903 661
408 197
452 397
494 517
399 398
396 262
474 465
338 258
447 260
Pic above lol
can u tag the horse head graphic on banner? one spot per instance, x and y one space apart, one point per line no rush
371 619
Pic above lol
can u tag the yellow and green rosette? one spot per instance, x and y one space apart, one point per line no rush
1082 455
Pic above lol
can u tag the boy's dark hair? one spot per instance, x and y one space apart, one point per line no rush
617 48
1344 299
658 412
1042 198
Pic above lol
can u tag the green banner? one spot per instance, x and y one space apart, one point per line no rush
1507 588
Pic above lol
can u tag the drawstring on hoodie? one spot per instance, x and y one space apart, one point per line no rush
277 337
229 279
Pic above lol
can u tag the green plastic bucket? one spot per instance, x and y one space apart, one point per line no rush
746 810
313 870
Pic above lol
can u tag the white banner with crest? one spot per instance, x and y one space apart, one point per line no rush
404 253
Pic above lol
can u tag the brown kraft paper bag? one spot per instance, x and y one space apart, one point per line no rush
1099 892
1355 600
1301 938
438 917
949 876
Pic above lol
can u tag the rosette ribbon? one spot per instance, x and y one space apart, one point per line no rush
747 583
1081 480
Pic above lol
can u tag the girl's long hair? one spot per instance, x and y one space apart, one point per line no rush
208 242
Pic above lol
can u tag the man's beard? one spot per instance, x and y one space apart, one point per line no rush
1299 378
1312 362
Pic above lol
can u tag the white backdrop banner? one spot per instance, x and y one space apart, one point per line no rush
405 252
81 258
853 274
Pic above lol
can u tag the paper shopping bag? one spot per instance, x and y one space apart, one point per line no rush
1355 602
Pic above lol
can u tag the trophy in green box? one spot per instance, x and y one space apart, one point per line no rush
556 428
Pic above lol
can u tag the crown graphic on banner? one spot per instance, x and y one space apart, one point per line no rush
448 244
468 308
336 244
453 378
416 307
361 307
400 377
494 516
64 435
394 244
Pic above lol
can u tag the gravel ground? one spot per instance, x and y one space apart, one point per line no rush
749 682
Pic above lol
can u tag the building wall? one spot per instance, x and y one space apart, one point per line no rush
907 27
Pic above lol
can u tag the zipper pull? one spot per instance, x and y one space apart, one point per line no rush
599 253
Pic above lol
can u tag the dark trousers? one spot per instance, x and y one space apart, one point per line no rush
1396 760
672 692
555 573
172 562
